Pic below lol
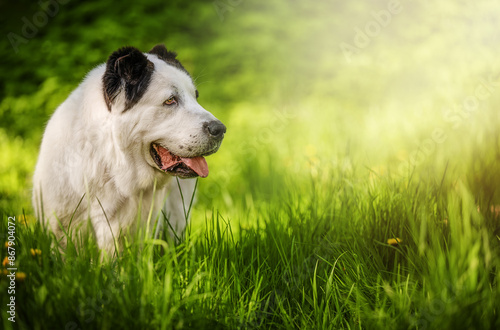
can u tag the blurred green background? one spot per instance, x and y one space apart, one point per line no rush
385 87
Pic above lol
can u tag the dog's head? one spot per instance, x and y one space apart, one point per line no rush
155 112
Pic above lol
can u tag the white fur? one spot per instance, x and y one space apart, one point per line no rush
104 155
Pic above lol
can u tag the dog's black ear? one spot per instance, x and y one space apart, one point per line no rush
127 69
162 52
168 56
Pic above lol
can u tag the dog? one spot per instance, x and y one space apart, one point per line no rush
111 150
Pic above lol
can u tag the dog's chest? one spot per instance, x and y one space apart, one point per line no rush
138 206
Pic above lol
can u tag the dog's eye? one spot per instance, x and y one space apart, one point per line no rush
170 101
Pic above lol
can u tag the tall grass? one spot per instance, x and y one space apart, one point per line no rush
313 255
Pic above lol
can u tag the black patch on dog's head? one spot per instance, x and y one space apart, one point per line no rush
129 69
168 56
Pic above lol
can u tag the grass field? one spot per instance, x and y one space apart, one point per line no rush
351 190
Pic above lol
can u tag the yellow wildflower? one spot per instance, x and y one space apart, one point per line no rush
394 241
20 276
25 219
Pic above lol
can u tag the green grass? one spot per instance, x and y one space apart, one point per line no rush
324 162
313 254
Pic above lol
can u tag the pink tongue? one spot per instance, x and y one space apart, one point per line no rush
197 164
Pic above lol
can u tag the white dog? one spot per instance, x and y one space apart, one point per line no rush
111 149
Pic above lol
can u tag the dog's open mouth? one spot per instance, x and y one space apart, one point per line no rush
176 165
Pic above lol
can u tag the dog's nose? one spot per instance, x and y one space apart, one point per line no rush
215 128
